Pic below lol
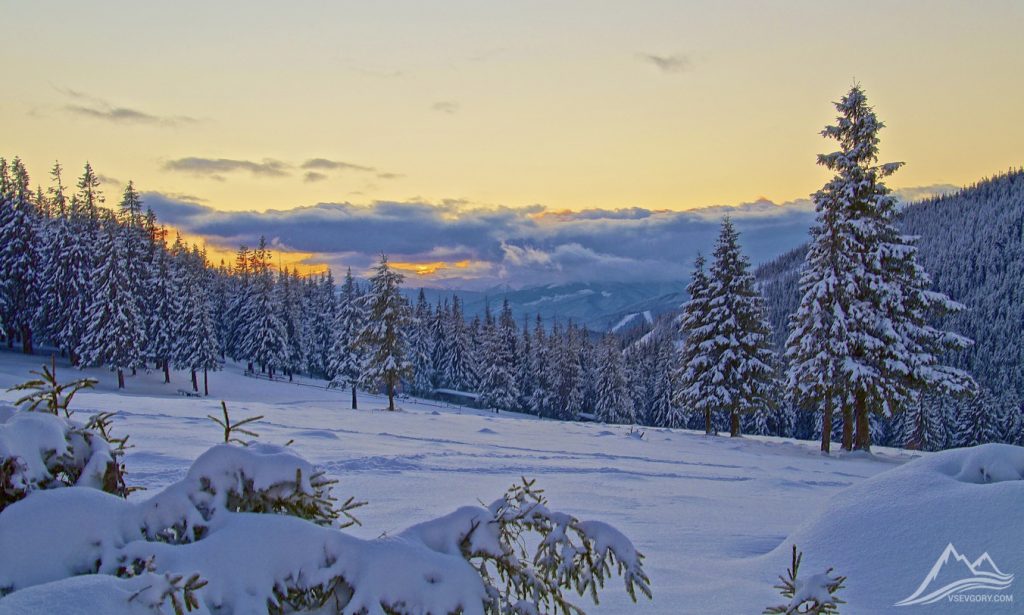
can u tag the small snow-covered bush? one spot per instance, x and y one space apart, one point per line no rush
43 451
40 449
255 528
813 595
474 560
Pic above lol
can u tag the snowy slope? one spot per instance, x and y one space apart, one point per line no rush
712 515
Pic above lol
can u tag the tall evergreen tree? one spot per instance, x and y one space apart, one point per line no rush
19 259
861 338
421 347
737 349
694 374
195 343
163 316
115 331
383 335
346 366
266 339
613 403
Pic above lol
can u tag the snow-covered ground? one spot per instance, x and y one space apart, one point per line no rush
715 517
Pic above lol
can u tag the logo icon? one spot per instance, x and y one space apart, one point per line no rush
953 573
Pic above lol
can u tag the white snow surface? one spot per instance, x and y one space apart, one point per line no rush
714 517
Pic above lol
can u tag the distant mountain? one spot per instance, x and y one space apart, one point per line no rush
972 244
598 306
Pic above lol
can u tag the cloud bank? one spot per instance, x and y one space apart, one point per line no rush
469 246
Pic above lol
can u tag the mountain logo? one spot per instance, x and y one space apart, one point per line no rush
953 573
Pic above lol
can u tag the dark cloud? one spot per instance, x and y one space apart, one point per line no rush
216 167
446 106
313 176
677 63
518 246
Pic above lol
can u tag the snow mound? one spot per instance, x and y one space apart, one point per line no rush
886 533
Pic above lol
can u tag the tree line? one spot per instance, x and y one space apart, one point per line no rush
863 358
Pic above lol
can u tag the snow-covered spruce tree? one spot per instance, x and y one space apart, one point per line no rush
236 314
978 420
289 305
385 360
346 365
924 425
457 370
861 337
321 312
542 397
421 347
613 403
19 257
195 342
115 333
664 412
693 376
266 340
54 269
163 313
498 384
137 251
738 338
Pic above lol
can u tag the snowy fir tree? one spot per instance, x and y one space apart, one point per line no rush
613 403
383 336
861 339
115 334
694 374
163 315
265 341
736 348
421 347
456 368
195 342
19 259
498 384
346 364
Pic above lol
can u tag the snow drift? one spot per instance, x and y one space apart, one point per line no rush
887 533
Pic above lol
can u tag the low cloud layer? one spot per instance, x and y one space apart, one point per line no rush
501 245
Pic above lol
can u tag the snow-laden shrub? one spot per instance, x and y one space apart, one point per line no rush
39 450
810 595
214 523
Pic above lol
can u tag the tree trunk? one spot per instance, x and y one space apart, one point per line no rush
167 371
734 425
863 439
355 406
826 426
26 340
289 375
847 428
249 369
134 372
120 379
707 421
195 383
206 382
391 396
